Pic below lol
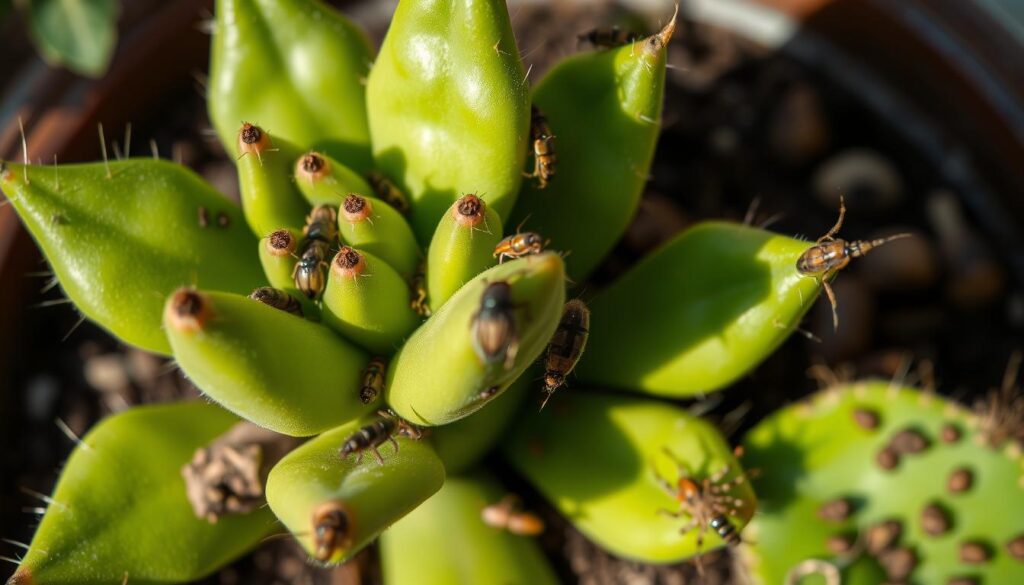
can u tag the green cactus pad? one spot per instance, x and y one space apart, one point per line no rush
824 451
437 377
469 552
449 106
295 67
370 308
698 313
373 495
602 167
458 252
277 370
595 457
119 243
119 510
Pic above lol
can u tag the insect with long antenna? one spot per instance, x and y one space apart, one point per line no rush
830 254
707 502
375 434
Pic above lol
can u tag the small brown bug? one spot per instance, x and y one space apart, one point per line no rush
332 530
375 434
507 514
389 192
608 38
566 346
829 255
320 231
418 292
495 338
544 157
373 381
707 502
278 299
519 245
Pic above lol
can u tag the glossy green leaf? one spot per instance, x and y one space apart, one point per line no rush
469 552
464 442
79 34
449 107
826 449
698 313
595 458
438 378
459 251
119 244
370 307
296 68
381 231
604 109
266 182
373 495
119 510
277 370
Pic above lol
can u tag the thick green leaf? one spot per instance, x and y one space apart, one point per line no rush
120 511
279 371
79 34
296 68
459 251
449 106
437 377
698 313
826 449
373 495
469 552
119 244
595 457
604 109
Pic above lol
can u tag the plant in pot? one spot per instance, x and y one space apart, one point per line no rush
410 327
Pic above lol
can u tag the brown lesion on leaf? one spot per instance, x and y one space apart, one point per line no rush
188 310
355 208
253 140
312 167
22 577
468 211
281 243
348 263
228 475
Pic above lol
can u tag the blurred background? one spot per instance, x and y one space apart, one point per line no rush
913 110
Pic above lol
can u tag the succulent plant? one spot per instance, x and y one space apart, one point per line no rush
372 203
874 482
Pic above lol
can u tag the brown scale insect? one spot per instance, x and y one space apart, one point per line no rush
829 255
495 336
389 192
608 38
373 381
418 291
706 501
544 157
375 434
332 530
320 231
519 245
508 514
566 346
277 298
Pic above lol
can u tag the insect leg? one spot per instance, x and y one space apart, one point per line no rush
831 299
376 454
835 229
